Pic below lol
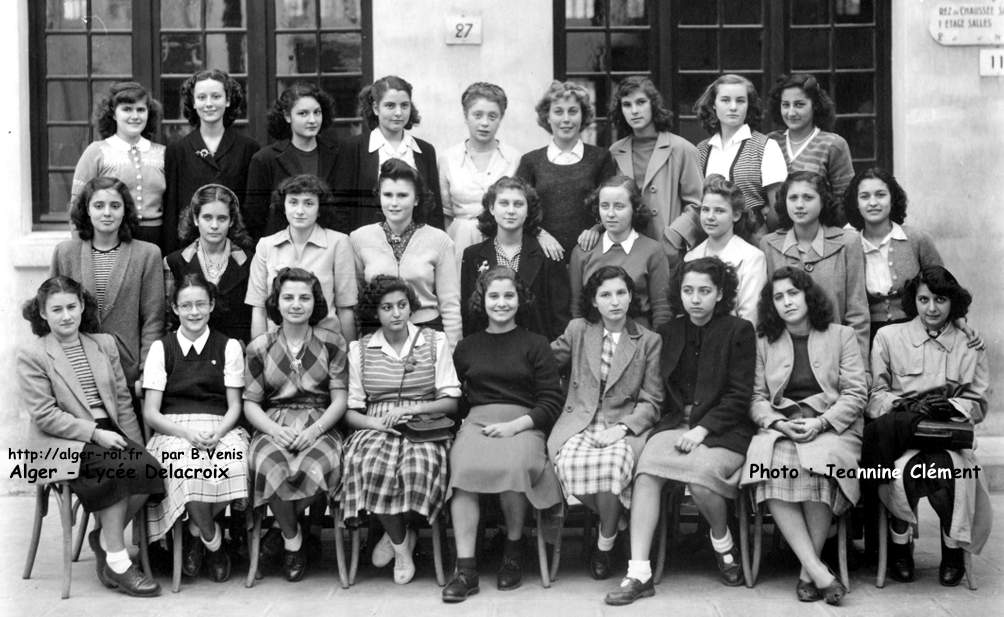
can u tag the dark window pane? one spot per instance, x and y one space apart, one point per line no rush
855 93
67 100
99 89
854 11
111 54
629 51
111 14
697 12
59 191
742 12
181 53
809 50
741 49
65 15
628 13
65 54
854 48
344 130
65 145
584 13
586 51
295 14
243 81
860 136
691 88
341 53
225 13
186 14
295 53
340 14
343 90
174 131
170 98
697 49
227 52
691 130
810 11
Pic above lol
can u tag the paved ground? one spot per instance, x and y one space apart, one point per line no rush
689 588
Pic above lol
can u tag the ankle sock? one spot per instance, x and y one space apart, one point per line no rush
900 538
214 544
118 561
604 543
402 548
293 544
723 544
949 542
640 569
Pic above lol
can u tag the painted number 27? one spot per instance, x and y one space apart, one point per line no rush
463 30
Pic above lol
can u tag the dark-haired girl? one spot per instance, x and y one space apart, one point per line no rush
296 121
295 384
71 384
808 239
708 359
664 165
124 274
398 373
614 400
127 118
192 381
808 397
388 112
214 151
215 246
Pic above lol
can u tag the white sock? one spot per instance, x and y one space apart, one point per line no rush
402 548
214 544
900 538
604 543
293 544
118 561
723 544
640 569
949 542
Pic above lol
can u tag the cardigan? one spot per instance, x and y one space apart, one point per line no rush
429 265
725 371
111 157
186 171
827 154
355 183
268 168
544 278
133 312
231 315
672 189
55 400
751 270
906 259
632 395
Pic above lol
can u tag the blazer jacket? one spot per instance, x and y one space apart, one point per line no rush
231 316
55 400
725 371
633 393
356 177
545 278
186 171
270 166
134 300
672 190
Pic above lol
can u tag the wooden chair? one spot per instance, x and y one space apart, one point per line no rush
883 550
437 552
254 545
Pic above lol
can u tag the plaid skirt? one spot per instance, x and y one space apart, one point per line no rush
388 474
586 468
277 473
221 478
805 486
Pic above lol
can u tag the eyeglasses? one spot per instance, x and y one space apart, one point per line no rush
190 306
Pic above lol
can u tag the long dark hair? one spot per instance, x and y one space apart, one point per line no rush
487 224
824 112
820 312
371 95
81 218
941 282
126 92
722 275
829 216
605 273
476 303
897 210
32 309
278 128
662 118
188 231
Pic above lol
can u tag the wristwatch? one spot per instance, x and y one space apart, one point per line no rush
627 431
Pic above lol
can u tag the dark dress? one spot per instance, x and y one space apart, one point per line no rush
231 316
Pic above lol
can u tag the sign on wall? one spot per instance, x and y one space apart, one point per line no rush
968 23
463 30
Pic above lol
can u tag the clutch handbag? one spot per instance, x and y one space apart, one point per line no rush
932 436
427 427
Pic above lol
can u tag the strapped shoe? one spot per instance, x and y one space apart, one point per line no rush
510 575
630 590
731 572
294 564
464 584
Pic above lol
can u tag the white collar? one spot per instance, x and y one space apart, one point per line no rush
379 341
577 151
896 233
616 336
607 243
741 135
186 345
143 145
378 141
818 243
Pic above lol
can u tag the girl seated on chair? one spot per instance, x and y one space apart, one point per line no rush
71 383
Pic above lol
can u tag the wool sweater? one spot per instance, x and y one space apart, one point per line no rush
827 154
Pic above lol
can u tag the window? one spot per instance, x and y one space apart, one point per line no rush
79 47
844 43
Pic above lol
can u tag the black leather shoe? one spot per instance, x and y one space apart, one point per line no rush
464 583
729 567
599 564
806 591
192 552
630 590
100 557
218 565
510 574
294 564
133 582
834 592
953 566
901 562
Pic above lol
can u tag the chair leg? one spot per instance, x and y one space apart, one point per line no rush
545 578
66 519
742 513
845 576
343 576
139 525
354 558
254 545
970 575
757 544
176 539
883 545
41 506
437 552
84 517
555 556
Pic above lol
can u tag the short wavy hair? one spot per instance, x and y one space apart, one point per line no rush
662 118
372 95
32 309
278 127
716 184
126 92
820 310
296 275
605 273
373 294
824 112
476 303
705 105
397 170
640 214
81 218
560 90
188 230
194 279
722 275
487 224
231 87
298 185
897 211
829 214
941 282
484 90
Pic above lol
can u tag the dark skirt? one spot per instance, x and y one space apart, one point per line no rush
107 476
